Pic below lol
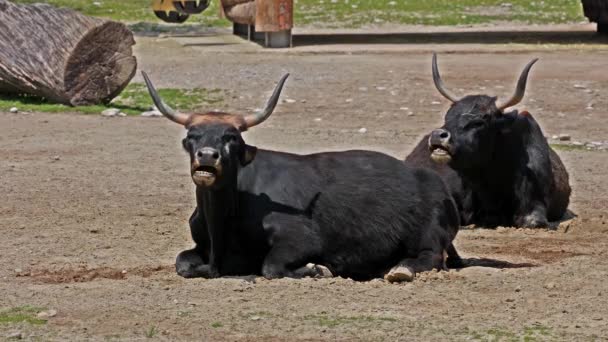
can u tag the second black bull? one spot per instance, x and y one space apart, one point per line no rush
361 214
498 165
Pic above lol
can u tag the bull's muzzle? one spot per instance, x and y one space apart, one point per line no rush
439 145
206 167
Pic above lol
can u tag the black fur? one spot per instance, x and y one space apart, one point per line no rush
359 213
502 171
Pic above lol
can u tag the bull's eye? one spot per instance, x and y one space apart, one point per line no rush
475 124
229 138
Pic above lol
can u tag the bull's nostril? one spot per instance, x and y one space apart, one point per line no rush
444 135
215 155
199 154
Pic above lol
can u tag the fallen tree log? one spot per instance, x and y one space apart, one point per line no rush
62 55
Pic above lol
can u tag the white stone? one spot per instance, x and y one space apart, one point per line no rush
110 112
151 113
363 130
564 137
14 110
47 314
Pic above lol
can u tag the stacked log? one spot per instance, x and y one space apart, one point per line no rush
62 55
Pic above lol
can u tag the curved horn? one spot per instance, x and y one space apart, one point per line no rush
257 118
167 111
439 83
520 91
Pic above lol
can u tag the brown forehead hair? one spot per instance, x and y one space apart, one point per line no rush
217 118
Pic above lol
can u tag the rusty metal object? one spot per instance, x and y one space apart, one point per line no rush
166 11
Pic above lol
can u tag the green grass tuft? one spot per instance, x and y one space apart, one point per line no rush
132 101
21 314
151 332
216 325
333 321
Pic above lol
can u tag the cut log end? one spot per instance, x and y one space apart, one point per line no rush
100 65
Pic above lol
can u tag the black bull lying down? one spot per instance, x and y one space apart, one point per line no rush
357 213
498 165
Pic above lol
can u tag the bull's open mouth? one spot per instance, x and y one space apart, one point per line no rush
440 154
204 175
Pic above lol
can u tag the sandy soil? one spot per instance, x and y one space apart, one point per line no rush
93 210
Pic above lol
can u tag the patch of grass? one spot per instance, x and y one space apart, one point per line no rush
358 13
151 332
216 325
132 101
132 11
325 320
21 314
529 334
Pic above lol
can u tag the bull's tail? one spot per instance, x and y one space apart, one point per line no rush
453 260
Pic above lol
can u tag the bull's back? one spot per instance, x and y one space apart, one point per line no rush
560 198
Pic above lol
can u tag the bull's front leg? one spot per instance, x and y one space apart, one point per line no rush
190 264
194 263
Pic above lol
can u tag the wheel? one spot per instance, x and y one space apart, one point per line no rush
190 6
165 11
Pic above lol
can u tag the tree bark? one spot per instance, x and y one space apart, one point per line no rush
62 55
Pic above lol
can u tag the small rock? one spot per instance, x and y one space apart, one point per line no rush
318 119
56 158
302 101
124 272
404 108
363 88
363 130
549 286
380 88
580 86
506 4
554 137
577 143
564 137
14 110
47 314
15 336
290 101
18 270
110 112
255 318
121 114
436 102
410 113
518 288
151 113
349 100
509 300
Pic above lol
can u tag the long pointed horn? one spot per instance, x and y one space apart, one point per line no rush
257 118
439 83
520 91
167 111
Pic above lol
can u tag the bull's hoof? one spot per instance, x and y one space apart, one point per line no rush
322 271
534 221
399 274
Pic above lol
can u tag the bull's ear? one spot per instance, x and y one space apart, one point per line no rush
248 154
186 144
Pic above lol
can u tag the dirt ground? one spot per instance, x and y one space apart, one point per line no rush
93 210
